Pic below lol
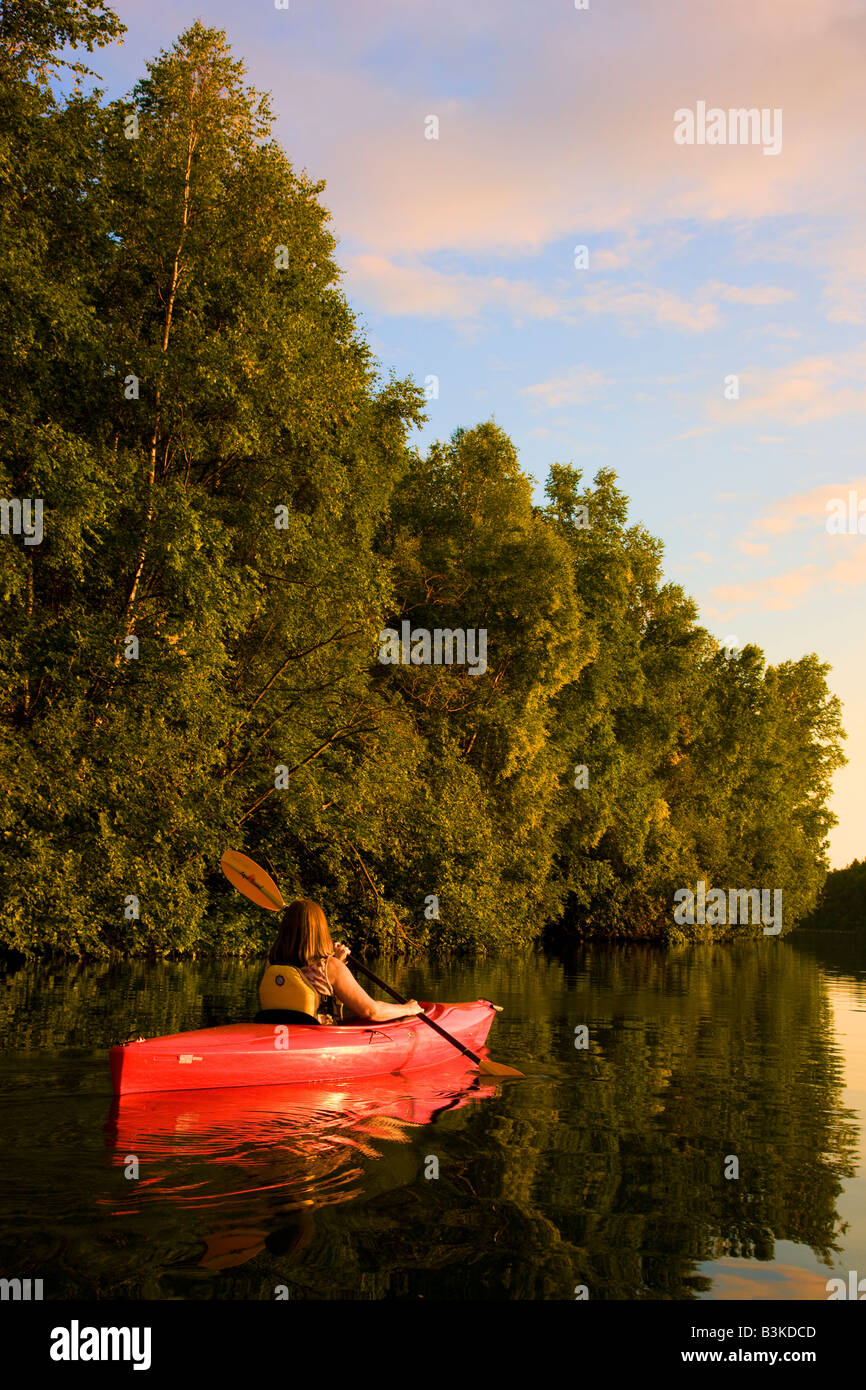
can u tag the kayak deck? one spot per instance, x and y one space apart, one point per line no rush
264 1054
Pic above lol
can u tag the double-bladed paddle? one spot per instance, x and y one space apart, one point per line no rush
251 880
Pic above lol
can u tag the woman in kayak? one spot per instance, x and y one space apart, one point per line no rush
307 980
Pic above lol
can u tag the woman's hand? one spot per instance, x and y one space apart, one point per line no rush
412 1007
341 952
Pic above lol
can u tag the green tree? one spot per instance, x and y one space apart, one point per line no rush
213 394
842 903
471 553
625 718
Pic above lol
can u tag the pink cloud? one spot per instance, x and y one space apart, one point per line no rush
540 155
779 591
782 591
807 508
691 434
578 386
567 128
800 393
641 303
849 573
414 288
755 295
421 290
841 564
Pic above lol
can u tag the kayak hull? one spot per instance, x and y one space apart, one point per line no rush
262 1054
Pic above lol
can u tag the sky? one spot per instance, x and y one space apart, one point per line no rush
708 344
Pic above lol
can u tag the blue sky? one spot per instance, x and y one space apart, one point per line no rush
555 130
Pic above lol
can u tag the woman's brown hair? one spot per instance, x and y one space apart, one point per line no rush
303 935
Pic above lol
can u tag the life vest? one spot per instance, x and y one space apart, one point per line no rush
284 987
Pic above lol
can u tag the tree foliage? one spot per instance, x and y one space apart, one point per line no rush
233 514
842 902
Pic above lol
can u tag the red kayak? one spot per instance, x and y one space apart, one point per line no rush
262 1054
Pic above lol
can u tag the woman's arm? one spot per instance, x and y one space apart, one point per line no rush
358 1002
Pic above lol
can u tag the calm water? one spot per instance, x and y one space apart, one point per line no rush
605 1167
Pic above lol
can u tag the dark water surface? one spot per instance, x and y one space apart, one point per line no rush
605 1167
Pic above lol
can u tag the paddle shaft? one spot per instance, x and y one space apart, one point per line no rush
356 965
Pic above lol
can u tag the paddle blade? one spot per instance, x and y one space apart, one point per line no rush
497 1068
250 879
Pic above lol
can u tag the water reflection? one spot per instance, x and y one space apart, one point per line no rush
609 1167
716 1093
272 1155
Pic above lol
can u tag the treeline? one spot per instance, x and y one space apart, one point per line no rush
842 902
233 513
